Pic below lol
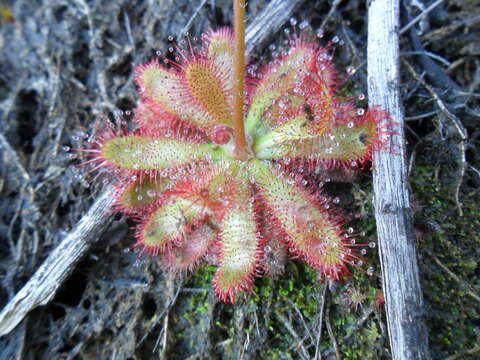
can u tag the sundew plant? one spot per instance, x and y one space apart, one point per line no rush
223 164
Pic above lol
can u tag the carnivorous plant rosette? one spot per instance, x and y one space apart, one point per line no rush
197 198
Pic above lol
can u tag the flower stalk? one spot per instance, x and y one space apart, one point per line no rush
239 77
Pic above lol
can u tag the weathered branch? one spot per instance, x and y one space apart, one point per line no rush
43 285
398 255
269 21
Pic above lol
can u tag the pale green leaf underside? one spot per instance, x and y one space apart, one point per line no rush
170 222
280 79
341 143
152 153
239 247
295 129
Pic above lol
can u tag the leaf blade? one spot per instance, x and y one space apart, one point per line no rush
309 231
135 152
240 248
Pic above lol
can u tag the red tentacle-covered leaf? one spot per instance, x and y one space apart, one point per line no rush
241 247
309 231
153 121
295 99
275 91
211 88
167 89
199 93
349 142
170 224
151 153
211 187
219 49
193 248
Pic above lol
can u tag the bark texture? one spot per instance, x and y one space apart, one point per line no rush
393 213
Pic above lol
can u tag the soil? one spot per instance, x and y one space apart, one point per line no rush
66 65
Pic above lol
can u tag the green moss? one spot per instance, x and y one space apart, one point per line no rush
295 294
455 241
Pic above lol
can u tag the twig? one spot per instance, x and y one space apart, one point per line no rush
331 334
421 116
302 319
462 354
269 21
475 170
456 121
332 10
430 54
354 330
438 34
463 284
359 324
194 15
420 16
398 254
43 285
12 160
318 354
303 353
163 336
458 126
165 311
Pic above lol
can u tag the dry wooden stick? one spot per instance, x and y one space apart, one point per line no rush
398 255
269 21
43 285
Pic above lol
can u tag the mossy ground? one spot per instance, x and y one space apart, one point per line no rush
283 314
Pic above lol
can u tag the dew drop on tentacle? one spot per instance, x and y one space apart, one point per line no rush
351 70
303 25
